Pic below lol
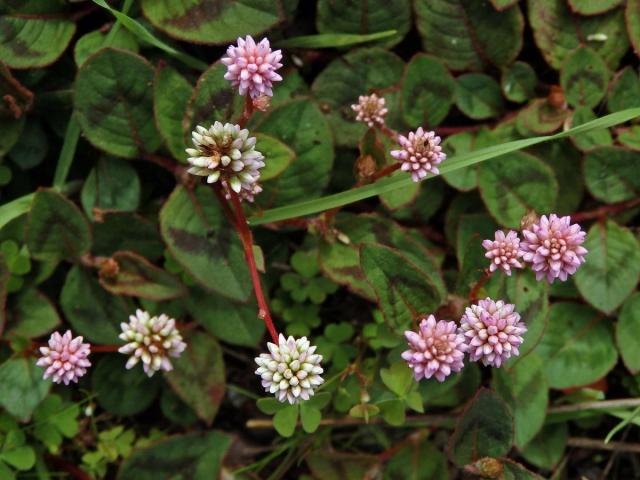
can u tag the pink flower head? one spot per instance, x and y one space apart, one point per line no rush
435 350
252 67
553 247
504 251
370 109
493 331
420 153
65 359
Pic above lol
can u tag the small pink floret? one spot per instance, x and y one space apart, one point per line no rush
65 359
503 251
493 331
420 153
553 247
435 350
252 66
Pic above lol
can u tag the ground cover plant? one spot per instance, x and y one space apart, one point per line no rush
319 239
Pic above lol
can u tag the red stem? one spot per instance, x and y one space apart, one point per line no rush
246 112
605 210
104 348
247 242
473 294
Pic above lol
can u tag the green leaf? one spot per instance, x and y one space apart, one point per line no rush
404 291
466 35
126 231
593 7
208 22
626 337
557 32
523 387
589 140
10 132
502 4
515 471
117 115
285 420
364 17
22 387
485 429
518 82
231 322
464 179
55 419
584 78
478 96
213 99
310 417
121 391
540 117
93 41
91 311
56 228
632 15
33 41
6 472
32 315
21 458
393 411
270 405
32 146
200 238
612 267
137 277
278 156
418 461
401 180
339 85
547 447
577 347
512 185
171 94
301 126
565 160
398 378
630 137
624 90
198 376
333 40
610 174
427 91
196 456
112 184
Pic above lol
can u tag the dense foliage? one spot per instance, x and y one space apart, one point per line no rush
100 217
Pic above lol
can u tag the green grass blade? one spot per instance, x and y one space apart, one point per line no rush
142 33
626 421
68 151
333 40
402 180
15 208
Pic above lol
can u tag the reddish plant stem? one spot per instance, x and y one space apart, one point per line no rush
605 210
247 242
168 164
66 466
473 294
104 348
388 170
246 112
225 205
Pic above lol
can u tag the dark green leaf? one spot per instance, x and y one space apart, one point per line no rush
465 35
198 376
114 103
22 387
577 347
196 456
310 417
29 41
612 266
624 90
610 174
285 420
121 391
584 78
209 22
632 14
278 156
93 41
547 447
32 315
626 333
112 184
137 277
593 7
418 461
478 96
485 429
126 231
56 228
334 40
427 91
201 239
90 310
589 140
514 184
519 81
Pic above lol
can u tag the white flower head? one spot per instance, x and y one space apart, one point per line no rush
151 340
227 153
291 370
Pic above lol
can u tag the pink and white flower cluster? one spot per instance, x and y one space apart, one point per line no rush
552 246
490 332
420 153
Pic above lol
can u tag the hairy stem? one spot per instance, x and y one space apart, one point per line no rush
247 242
